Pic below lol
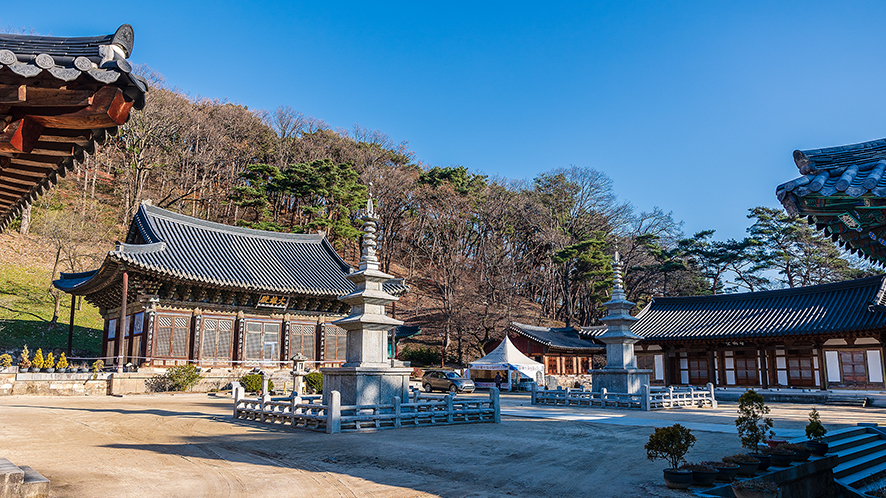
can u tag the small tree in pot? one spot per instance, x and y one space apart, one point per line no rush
671 444
815 433
752 423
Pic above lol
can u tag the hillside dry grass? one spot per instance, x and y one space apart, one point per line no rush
26 306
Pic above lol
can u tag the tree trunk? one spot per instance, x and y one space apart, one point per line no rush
26 221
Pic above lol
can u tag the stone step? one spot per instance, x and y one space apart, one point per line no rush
850 442
34 485
866 477
839 434
11 479
861 450
859 464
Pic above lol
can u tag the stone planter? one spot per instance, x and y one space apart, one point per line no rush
765 461
678 478
818 448
753 493
34 370
49 370
781 460
704 478
775 442
748 468
727 472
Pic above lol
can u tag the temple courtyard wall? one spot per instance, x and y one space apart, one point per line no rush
102 446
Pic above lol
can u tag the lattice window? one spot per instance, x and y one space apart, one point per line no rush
301 340
745 370
136 349
800 369
336 347
698 371
853 368
112 328
172 336
262 341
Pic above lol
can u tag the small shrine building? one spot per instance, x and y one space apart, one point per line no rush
218 295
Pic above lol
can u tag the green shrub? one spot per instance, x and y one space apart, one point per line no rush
314 381
183 377
5 360
752 422
815 431
420 356
669 443
252 383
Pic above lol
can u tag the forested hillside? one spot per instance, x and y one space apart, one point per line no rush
477 251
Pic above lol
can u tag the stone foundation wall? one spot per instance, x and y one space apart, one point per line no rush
568 381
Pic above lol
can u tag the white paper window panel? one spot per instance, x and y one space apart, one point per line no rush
815 362
779 352
139 322
817 380
683 355
730 377
727 353
659 367
780 362
782 378
684 377
684 364
730 364
112 328
832 365
875 366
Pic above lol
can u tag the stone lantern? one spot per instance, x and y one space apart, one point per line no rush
298 374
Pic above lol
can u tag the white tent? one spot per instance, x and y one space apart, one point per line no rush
508 361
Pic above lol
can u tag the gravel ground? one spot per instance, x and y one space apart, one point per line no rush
188 445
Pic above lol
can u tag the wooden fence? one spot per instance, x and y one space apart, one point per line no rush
308 412
655 398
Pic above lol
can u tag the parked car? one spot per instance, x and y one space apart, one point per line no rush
446 380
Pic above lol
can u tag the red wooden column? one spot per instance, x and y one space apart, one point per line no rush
71 325
121 323
822 375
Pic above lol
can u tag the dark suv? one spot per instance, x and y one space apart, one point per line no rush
446 380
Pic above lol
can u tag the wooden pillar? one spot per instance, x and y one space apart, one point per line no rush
712 372
121 323
71 325
764 366
721 367
822 375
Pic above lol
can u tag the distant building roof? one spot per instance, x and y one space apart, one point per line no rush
556 337
60 96
851 306
843 192
166 244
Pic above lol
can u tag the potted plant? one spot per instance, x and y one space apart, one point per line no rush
799 451
702 475
815 433
671 444
780 457
49 363
62 365
754 488
753 425
37 362
726 472
84 368
747 465
5 361
24 363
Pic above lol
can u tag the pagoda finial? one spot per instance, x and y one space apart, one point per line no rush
617 282
368 258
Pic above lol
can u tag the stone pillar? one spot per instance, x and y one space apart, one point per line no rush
620 375
367 377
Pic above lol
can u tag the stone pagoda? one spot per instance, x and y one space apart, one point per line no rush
368 377
620 375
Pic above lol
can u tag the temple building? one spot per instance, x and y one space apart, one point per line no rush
562 350
58 98
218 295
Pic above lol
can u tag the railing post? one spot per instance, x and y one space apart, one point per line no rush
333 413
496 405
449 417
237 392
644 397
264 384
397 422
534 391
413 395
713 399
670 396
603 398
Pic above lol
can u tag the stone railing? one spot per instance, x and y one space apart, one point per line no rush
308 412
655 398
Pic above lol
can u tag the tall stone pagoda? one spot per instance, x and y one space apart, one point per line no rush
368 377
620 375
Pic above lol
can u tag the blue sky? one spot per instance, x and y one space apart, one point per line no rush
691 106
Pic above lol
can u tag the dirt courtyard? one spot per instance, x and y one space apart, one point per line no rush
188 445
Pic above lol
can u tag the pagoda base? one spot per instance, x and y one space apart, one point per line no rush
618 380
367 385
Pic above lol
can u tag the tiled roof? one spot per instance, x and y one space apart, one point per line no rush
60 96
553 337
841 307
168 244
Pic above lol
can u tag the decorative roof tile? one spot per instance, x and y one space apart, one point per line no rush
556 337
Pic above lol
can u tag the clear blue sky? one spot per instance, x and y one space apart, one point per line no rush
691 106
